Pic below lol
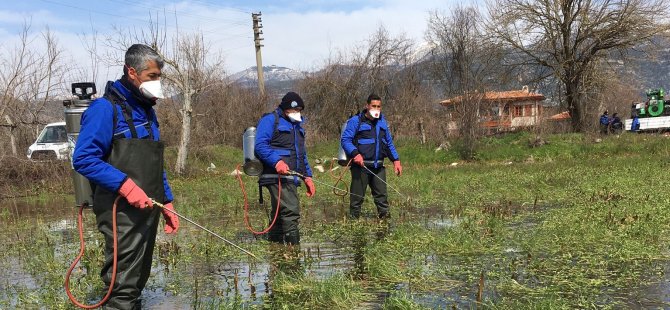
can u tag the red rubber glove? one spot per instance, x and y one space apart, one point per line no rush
311 190
171 219
281 167
397 167
358 159
135 195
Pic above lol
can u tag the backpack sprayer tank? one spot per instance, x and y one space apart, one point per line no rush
342 158
74 108
252 166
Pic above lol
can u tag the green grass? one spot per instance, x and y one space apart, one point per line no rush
570 224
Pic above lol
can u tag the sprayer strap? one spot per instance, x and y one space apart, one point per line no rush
127 114
274 129
113 96
358 127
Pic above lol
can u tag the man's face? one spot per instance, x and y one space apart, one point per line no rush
151 73
292 110
375 105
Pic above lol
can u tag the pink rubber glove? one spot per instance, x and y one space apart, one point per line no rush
171 219
135 195
397 167
311 190
281 167
358 159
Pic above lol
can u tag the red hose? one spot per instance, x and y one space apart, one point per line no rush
246 206
82 247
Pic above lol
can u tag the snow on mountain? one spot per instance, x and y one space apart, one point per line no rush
270 73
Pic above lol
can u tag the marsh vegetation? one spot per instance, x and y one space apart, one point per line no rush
570 224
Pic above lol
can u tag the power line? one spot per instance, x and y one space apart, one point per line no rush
128 17
232 8
235 48
201 17
92 11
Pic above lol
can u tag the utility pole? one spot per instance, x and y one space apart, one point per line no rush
256 18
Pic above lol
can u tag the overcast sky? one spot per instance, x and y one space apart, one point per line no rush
298 34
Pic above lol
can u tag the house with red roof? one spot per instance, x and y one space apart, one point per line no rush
500 110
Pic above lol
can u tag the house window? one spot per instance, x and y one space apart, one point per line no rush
528 110
518 111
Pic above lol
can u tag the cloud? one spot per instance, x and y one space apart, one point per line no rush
300 35
39 19
303 40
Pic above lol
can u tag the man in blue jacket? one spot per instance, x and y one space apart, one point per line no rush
120 152
280 146
604 122
367 140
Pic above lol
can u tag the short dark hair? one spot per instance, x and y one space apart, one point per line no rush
137 56
373 96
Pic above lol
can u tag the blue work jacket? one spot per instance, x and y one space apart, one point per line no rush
278 138
94 143
370 138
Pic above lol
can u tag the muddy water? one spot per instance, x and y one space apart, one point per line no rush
214 281
653 294
218 280
250 283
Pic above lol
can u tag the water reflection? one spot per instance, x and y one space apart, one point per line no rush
212 279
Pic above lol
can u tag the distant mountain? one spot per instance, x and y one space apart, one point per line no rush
648 70
274 75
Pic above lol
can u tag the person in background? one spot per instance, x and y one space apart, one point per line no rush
635 125
615 125
604 122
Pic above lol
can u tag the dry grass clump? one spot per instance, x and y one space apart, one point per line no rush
22 177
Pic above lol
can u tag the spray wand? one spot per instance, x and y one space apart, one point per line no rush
203 228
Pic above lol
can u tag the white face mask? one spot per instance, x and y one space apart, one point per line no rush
152 89
375 113
294 116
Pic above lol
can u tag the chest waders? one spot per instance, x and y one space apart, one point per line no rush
130 233
142 161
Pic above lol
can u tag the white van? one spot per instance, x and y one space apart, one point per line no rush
52 143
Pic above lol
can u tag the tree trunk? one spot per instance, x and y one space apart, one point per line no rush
574 106
12 141
187 115
12 138
422 132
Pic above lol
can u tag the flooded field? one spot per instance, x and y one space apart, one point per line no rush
544 234
194 270
190 270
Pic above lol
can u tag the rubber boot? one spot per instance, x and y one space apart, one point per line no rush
292 238
275 237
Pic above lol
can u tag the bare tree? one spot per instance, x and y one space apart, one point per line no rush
90 43
31 76
340 88
466 65
190 74
569 37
